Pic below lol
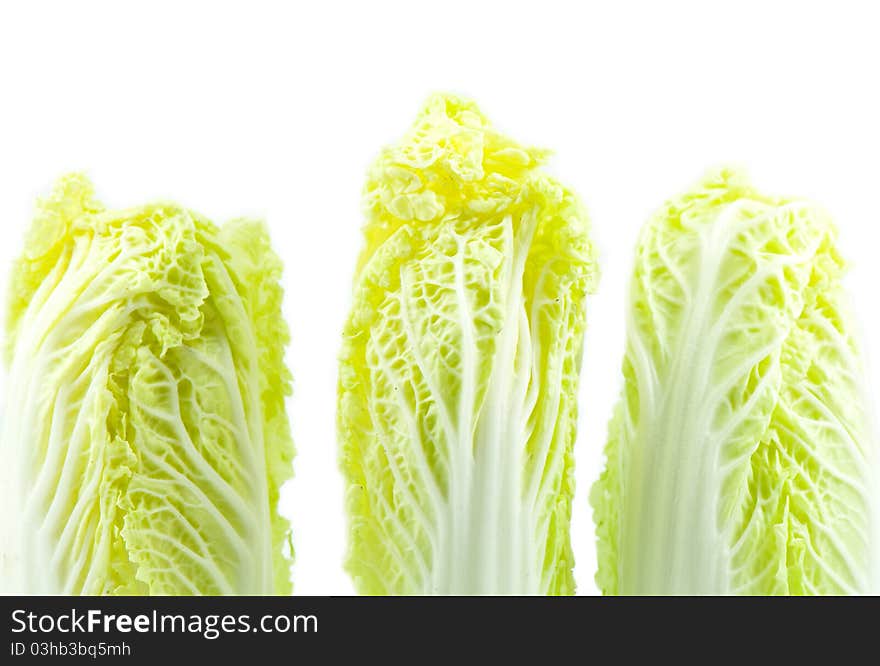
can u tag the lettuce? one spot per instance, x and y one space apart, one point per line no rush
739 460
459 365
145 437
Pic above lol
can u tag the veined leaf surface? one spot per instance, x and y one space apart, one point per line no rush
739 459
460 364
145 437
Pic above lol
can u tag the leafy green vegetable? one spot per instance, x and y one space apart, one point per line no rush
739 459
459 365
145 436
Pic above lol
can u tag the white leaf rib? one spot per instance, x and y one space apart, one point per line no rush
207 504
203 561
229 495
417 445
390 543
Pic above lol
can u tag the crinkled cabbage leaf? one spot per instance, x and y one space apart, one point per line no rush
739 460
145 436
460 362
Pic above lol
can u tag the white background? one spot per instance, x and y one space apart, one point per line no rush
275 109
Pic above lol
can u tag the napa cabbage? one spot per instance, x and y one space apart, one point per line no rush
739 458
145 436
459 365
